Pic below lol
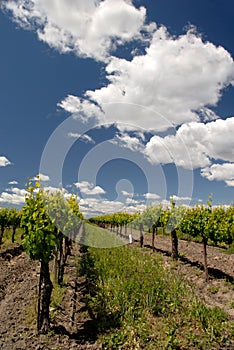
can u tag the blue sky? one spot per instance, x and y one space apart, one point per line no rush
124 102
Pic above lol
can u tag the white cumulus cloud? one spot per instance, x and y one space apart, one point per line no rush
178 198
81 109
151 195
125 193
127 141
96 206
89 28
131 201
220 172
14 195
42 177
83 137
87 188
175 81
4 161
13 182
230 183
194 145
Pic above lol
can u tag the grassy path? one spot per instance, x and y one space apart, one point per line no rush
140 301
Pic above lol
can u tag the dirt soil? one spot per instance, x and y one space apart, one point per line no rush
72 327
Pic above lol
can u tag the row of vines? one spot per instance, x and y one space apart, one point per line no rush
201 222
44 219
51 221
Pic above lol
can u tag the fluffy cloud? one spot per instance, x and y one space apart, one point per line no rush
172 83
230 183
4 161
13 182
86 138
194 145
42 177
174 149
124 140
151 196
131 201
91 206
97 206
52 189
89 28
81 109
125 193
224 172
15 196
87 188
177 198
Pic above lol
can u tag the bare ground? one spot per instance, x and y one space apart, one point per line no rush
72 327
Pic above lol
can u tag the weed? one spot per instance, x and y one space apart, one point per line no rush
7 243
230 250
213 289
56 300
31 314
139 304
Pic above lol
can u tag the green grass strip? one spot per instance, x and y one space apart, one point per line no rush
139 304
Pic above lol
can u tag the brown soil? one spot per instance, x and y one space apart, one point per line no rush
72 327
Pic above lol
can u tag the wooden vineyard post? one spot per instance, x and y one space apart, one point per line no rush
141 236
204 241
